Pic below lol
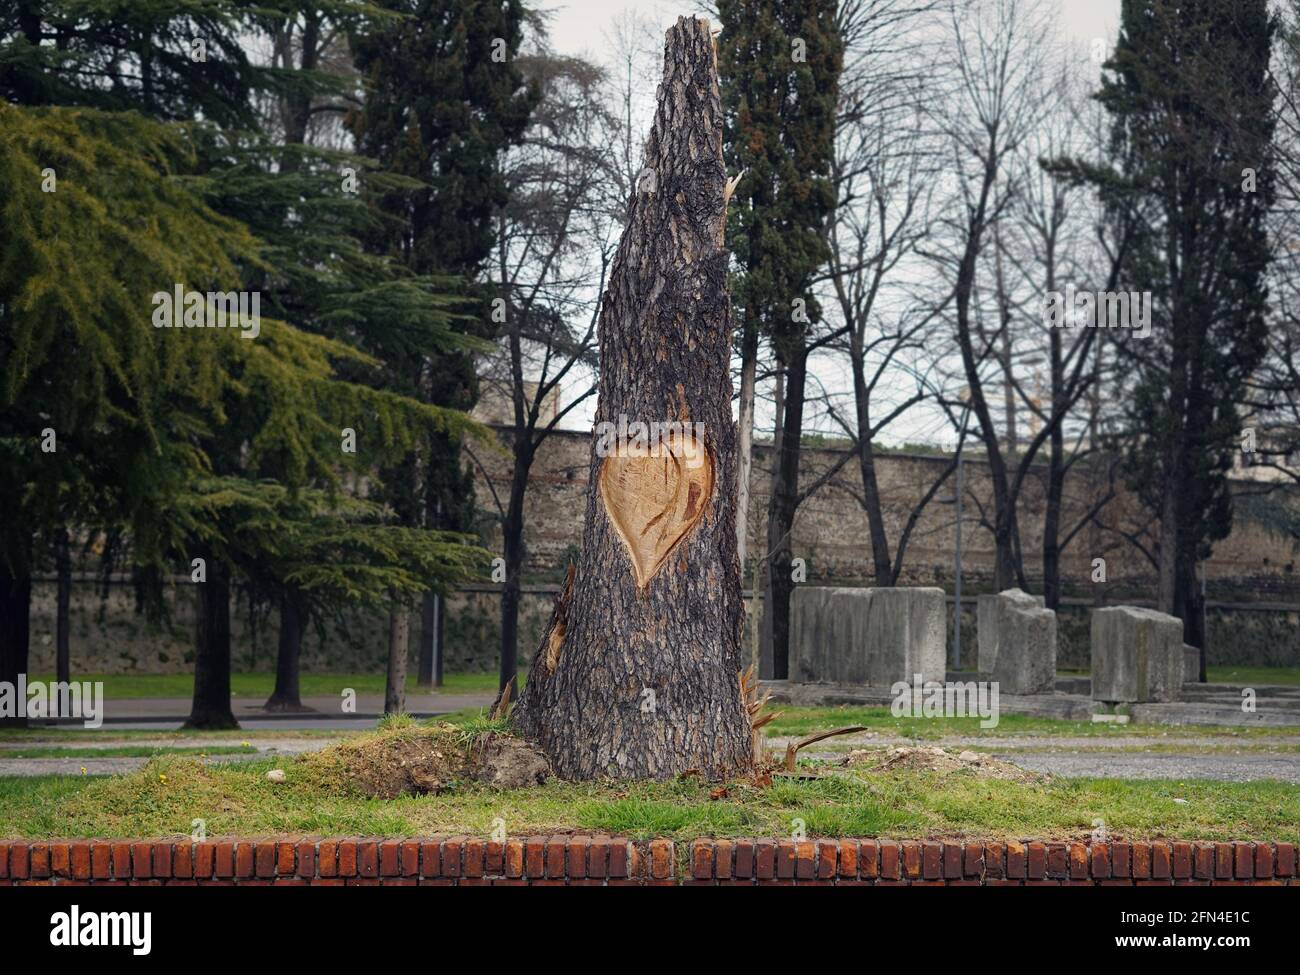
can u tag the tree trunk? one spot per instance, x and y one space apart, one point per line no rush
637 675
398 634
513 531
287 695
211 706
15 621
748 377
881 562
62 611
780 517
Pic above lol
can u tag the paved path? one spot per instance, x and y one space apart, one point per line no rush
266 747
167 714
1238 767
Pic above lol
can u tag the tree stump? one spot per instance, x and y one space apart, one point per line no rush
638 673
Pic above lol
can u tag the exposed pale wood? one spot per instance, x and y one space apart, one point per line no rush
655 496
792 749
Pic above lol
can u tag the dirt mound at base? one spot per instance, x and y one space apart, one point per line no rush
931 759
416 760
409 761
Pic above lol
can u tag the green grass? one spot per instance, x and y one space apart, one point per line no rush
1252 676
236 799
795 721
261 685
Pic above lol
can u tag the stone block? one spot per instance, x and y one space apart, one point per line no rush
1017 642
1137 655
867 636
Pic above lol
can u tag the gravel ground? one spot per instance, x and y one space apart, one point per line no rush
1129 765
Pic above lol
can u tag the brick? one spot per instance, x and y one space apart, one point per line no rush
805 860
765 860
620 859
1160 865
1286 860
1037 861
1100 856
264 856
493 858
577 857
451 856
535 857
1057 861
661 859
512 858
142 860
785 859
1222 860
38 861
101 861
327 859
1141 854
1121 859
1182 867
205 857
4 860
430 859
557 855
79 861
306 859
932 861
745 860
60 860
122 861
390 859
890 860
848 858
827 859
473 863
244 864
284 857
347 850
1203 861
973 860
368 859
702 860
868 860
994 865
911 851
722 859
952 861
1245 861
162 860
183 860
410 857
1263 861
1078 861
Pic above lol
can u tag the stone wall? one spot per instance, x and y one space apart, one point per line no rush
1259 561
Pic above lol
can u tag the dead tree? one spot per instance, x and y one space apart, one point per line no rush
637 675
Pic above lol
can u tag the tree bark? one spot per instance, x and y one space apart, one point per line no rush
287 695
211 705
748 377
15 622
512 530
398 643
780 516
62 612
638 673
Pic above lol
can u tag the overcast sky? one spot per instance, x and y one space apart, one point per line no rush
583 27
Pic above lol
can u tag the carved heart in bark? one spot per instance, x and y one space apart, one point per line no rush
655 495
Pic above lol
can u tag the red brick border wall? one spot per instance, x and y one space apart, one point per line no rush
609 861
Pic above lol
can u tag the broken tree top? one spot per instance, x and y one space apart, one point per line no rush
638 673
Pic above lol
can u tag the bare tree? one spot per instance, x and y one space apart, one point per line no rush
551 257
